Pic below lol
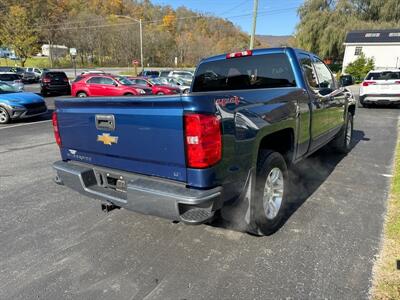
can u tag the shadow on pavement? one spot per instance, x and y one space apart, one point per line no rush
306 177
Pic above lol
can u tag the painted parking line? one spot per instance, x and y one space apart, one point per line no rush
25 124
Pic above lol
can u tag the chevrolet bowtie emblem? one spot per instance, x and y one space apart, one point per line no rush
107 139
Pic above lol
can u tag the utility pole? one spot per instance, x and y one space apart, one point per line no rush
141 36
141 45
253 32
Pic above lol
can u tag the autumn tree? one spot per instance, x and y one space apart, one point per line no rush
18 32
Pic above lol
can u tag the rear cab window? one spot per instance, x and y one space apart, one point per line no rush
387 75
56 75
250 72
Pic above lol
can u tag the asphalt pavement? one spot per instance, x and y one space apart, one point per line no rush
57 244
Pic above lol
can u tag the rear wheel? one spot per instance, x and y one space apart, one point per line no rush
160 93
4 116
128 94
343 141
81 94
186 91
361 103
271 194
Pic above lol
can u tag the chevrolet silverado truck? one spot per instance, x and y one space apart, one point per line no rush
222 151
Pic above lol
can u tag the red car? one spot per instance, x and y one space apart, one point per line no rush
105 85
157 87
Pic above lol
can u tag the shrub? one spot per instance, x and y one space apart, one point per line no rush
360 67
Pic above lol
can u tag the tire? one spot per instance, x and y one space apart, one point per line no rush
342 143
185 92
128 94
160 93
270 208
361 103
44 93
81 95
4 116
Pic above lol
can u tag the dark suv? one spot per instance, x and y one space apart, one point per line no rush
54 82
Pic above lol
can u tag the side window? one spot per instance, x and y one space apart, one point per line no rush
324 75
108 81
142 82
94 80
308 69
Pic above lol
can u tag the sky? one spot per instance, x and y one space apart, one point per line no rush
275 17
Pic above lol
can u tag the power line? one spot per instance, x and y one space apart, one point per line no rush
58 26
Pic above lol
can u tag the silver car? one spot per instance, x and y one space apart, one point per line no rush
185 75
12 79
176 82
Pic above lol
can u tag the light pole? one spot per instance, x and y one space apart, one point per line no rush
253 31
141 36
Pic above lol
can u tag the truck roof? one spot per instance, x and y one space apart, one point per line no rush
259 52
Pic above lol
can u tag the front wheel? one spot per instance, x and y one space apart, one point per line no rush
160 93
271 194
81 95
343 141
4 116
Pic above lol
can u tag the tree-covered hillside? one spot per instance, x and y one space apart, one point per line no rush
104 34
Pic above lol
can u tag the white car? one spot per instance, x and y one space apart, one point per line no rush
38 72
185 75
380 87
12 79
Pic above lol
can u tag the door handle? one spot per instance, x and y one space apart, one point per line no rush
105 122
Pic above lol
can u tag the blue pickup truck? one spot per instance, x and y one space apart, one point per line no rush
221 151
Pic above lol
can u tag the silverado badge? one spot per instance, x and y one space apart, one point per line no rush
107 139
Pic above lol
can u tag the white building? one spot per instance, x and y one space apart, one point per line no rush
382 45
5 52
56 50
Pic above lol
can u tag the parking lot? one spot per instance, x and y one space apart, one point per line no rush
57 244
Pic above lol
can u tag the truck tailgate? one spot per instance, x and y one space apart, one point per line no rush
137 134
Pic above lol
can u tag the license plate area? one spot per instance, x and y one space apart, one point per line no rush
111 181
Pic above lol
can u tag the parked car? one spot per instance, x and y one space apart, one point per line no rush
105 85
222 151
186 75
93 72
12 79
158 88
346 80
28 77
15 104
54 82
164 73
176 82
380 87
38 72
149 73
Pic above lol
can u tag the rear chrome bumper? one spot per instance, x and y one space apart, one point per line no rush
143 194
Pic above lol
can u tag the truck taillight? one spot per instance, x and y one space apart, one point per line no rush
46 80
397 82
367 83
203 140
239 54
55 128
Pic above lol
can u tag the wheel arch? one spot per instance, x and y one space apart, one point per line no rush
281 141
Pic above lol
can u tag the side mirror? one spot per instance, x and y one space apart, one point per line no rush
149 85
115 84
